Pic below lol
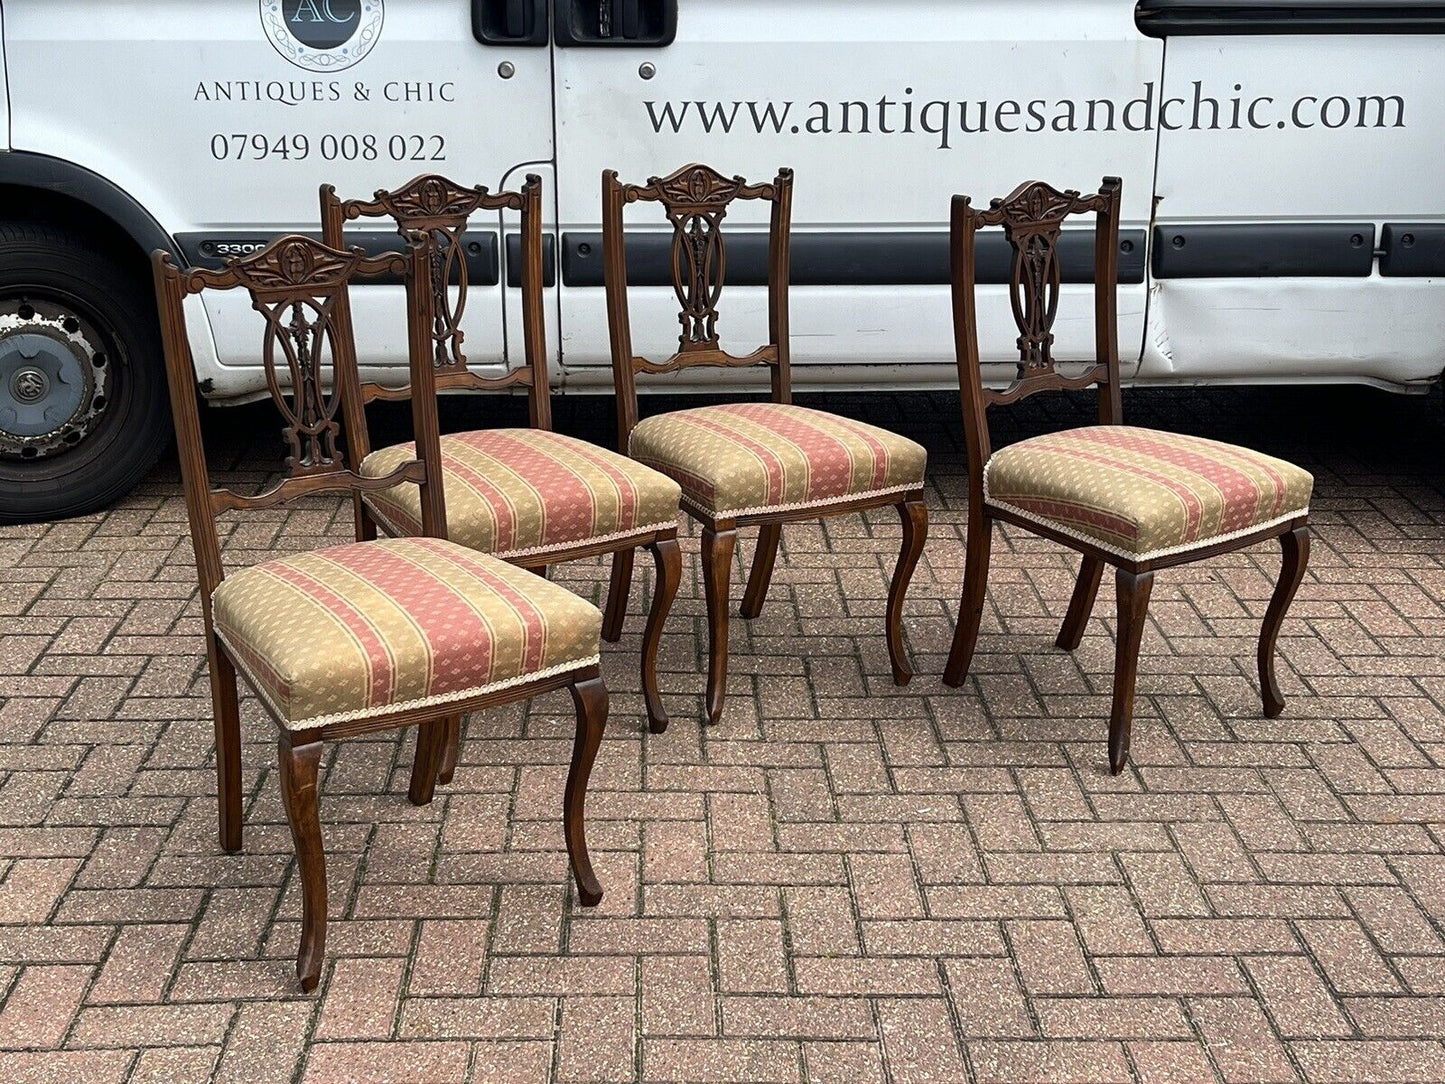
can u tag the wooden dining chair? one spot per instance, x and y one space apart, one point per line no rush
528 496
746 463
368 636
1136 499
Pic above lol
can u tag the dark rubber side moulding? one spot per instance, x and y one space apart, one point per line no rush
1415 250
1264 251
203 249
1170 18
843 258
514 259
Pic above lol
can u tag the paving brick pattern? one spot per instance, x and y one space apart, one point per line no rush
842 881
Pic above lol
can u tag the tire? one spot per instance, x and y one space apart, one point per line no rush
109 421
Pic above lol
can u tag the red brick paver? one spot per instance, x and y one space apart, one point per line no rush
842 881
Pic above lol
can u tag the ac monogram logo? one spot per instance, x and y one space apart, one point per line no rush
322 35
323 14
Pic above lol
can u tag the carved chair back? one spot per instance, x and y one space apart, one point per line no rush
298 286
695 200
438 210
1032 217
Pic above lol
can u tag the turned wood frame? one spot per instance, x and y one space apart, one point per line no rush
1032 217
306 281
437 211
695 199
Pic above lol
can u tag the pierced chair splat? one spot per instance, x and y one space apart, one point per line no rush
741 464
1136 499
367 636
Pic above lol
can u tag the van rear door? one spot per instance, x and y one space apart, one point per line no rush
1300 224
884 109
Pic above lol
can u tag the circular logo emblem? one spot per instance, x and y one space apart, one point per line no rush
322 35
29 385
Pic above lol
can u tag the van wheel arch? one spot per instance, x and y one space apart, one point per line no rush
83 405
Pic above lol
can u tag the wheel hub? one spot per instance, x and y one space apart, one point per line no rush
53 378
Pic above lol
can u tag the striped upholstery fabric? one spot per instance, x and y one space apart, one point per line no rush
1141 493
745 458
373 628
516 492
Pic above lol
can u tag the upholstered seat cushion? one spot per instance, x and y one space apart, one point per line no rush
374 628
1141 493
746 458
517 492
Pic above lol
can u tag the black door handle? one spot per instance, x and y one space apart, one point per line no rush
611 23
627 17
517 18
510 22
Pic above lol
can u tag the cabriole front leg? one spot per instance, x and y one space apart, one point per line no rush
299 766
914 514
590 699
668 560
970 607
1296 547
1133 604
717 563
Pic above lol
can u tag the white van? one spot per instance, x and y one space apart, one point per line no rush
1283 166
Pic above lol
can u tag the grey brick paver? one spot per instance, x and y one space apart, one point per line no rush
843 881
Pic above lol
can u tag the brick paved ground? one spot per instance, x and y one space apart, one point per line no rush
843 881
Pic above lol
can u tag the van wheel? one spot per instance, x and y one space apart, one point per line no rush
82 388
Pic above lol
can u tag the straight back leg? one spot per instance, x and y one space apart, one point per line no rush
617 592
717 564
762 573
1081 605
590 699
299 765
226 714
451 748
668 559
1133 605
970 608
365 525
1296 547
914 514
431 743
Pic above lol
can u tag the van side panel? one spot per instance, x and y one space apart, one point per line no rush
885 110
